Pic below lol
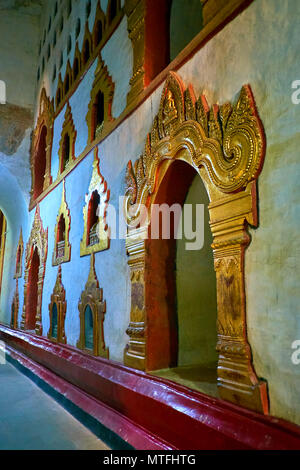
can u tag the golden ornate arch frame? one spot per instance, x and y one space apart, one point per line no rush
102 82
93 296
99 17
58 297
226 146
38 239
87 38
45 118
68 128
98 184
65 212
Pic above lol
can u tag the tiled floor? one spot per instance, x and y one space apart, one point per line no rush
31 420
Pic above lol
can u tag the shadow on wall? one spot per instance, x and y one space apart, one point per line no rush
13 206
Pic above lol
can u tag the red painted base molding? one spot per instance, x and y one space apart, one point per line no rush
145 411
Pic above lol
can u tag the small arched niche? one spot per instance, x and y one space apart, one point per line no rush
113 9
67 84
98 114
93 219
62 247
61 234
76 68
100 107
86 51
40 163
95 230
58 97
41 147
65 152
92 310
32 291
57 311
98 35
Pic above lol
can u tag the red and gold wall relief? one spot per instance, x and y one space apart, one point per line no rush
57 311
92 309
62 247
35 266
41 147
225 145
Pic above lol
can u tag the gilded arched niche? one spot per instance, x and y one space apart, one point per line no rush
67 156
62 248
102 84
92 297
226 146
58 300
99 230
38 240
45 121
87 45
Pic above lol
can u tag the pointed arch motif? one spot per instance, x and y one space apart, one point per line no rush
62 248
102 84
226 146
58 299
68 79
100 21
45 121
70 131
92 296
38 240
76 64
97 184
86 54
59 92
19 257
113 10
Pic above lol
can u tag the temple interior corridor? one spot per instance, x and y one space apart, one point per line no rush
149 225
